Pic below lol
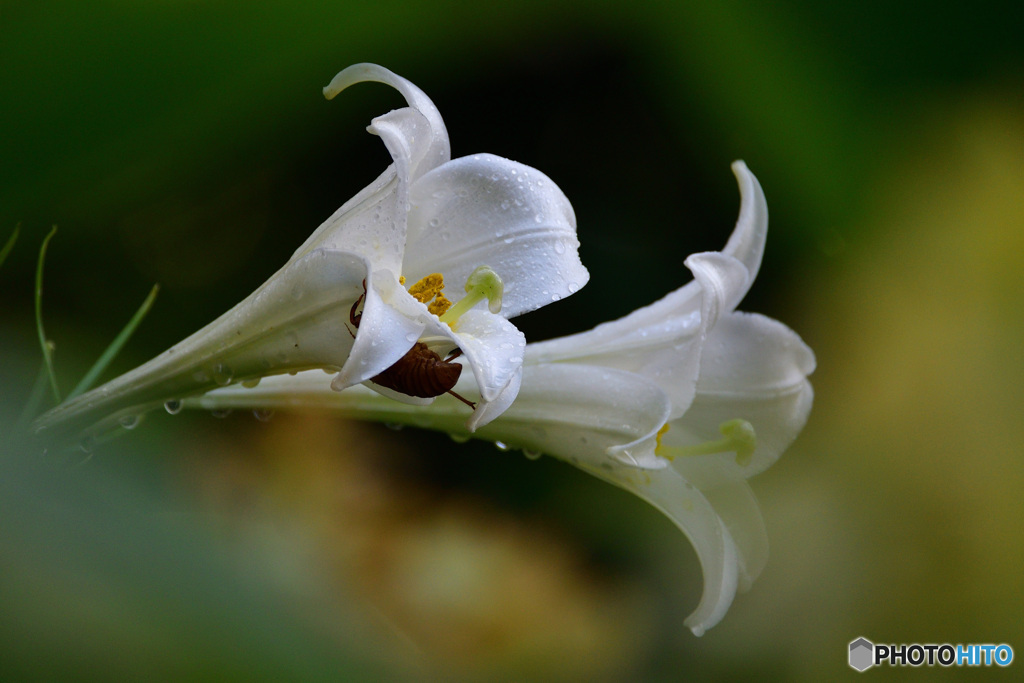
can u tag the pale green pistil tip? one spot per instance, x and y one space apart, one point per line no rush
738 437
483 283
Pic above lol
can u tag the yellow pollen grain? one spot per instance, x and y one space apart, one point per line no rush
401 280
427 288
440 305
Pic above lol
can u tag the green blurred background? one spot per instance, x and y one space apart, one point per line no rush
187 143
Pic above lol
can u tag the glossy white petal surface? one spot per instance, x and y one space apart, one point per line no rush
486 210
753 368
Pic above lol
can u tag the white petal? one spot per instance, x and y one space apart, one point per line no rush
694 515
486 411
723 281
373 223
493 348
753 368
435 147
661 341
748 238
735 504
486 210
578 412
386 331
294 321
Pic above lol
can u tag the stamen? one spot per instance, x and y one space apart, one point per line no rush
739 437
482 283
427 288
440 305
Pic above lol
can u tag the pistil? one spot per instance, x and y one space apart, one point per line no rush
482 283
738 437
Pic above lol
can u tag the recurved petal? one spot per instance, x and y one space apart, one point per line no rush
695 516
431 143
735 504
753 368
486 210
748 238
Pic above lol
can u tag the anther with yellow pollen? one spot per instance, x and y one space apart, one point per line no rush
421 372
737 436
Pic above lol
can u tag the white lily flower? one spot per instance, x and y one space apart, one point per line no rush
640 402
341 303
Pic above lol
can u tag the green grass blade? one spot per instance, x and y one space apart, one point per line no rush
115 346
46 346
31 408
10 244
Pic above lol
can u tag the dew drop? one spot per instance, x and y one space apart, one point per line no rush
532 454
129 421
251 383
86 445
297 292
412 337
222 374
221 413
573 287
502 446
263 414
434 222
459 437
559 247
173 406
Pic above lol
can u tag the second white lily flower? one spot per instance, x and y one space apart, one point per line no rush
364 290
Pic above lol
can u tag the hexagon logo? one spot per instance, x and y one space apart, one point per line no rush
862 654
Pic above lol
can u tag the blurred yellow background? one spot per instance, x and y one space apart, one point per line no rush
187 143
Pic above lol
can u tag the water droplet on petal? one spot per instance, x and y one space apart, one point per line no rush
559 247
251 383
434 222
531 454
221 413
173 406
263 414
501 446
459 437
129 421
222 374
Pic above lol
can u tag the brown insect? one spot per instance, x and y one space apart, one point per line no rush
420 372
